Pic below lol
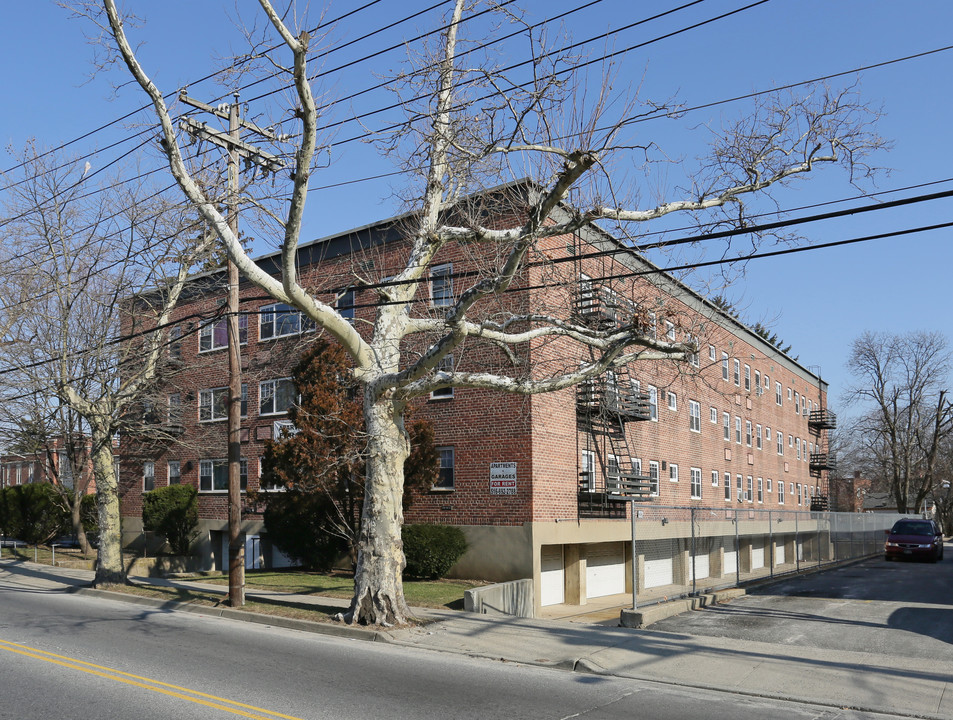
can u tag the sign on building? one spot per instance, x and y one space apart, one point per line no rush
503 478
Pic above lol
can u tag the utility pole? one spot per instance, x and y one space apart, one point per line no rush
236 148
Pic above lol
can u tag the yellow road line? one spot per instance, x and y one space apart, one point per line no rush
231 706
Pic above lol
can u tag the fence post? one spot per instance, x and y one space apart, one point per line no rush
691 518
737 550
771 541
797 543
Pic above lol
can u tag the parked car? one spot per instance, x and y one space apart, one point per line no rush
913 538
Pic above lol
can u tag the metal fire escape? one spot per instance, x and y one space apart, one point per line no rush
603 407
817 422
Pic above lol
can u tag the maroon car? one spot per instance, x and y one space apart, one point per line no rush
914 538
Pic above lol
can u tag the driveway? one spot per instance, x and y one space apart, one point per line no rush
896 608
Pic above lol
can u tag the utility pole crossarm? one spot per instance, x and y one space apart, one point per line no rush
270 162
224 114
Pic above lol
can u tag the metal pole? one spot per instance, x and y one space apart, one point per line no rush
691 518
737 551
236 548
771 541
797 543
635 560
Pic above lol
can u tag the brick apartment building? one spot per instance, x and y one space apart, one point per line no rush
530 479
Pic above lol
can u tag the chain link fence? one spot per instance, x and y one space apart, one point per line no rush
690 550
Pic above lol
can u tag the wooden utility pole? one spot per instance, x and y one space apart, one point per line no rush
236 148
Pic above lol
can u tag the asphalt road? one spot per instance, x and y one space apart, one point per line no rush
72 656
901 608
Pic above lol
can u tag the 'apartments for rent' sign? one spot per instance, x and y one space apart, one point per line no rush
503 478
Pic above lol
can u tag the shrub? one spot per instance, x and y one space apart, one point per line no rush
173 512
298 525
34 513
431 550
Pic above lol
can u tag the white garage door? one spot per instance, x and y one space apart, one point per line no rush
779 552
700 569
605 569
757 553
731 561
659 568
551 575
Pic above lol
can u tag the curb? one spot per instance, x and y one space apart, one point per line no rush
642 618
228 613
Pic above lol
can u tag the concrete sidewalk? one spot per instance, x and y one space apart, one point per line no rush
865 681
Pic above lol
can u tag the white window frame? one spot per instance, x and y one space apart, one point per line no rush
441 285
727 487
724 366
444 365
587 469
672 400
696 483
737 429
694 416
173 478
210 328
269 389
673 472
748 433
210 401
714 478
712 353
778 394
713 415
670 330
758 442
749 489
148 476
747 377
279 320
654 477
761 491
726 423
447 480
344 302
653 402
208 469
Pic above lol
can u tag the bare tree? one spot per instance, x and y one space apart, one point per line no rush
80 263
468 128
907 416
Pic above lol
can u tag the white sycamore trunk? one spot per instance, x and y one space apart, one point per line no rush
109 566
378 590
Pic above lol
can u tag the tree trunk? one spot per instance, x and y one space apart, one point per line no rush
109 567
378 590
76 519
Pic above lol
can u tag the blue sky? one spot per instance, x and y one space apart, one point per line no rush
816 301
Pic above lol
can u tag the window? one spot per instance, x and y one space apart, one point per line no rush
714 478
694 416
761 490
780 437
790 441
672 401
789 393
213 335
748 433
724 366
445 481
797 444
767 486
747 377
797 404
767 435
726 420
653 403
693 357
749 489
213 404
653 326
441 285
345 304
799 494
283 429
587 470
757 437
653 476
737 372
757 382
148 476
175 342
781 493
174 472
777 393
213 475
737 429
739 484
766 387
696 483
276 396
175 409
670 330
713 415
727 487
445 365
281 320
672 472
711 353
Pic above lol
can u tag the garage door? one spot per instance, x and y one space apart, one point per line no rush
779 552
659 568
757 553
605 569
731 561
700 569
551 575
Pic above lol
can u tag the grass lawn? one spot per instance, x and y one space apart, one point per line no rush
422 593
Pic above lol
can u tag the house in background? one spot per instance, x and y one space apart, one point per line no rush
532 481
